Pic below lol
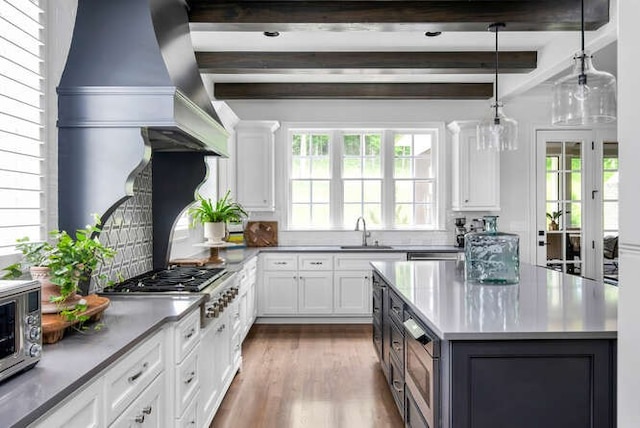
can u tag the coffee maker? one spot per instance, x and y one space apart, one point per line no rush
460 230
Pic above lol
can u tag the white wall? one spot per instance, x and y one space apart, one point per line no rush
517 204
629 137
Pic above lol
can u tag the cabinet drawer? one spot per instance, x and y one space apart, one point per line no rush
186 381
362 261
83 410
413 417
396 346
316 262
190 417
396 380
187 335
377 337
377 308
128 377
280 262
396 309
146 409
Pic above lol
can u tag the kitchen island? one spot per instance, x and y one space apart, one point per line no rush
538 353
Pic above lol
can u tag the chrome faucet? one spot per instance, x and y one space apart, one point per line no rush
365 234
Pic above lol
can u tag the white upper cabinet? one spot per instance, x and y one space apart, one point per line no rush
476 173
255 151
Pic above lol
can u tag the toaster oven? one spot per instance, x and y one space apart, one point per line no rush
20 326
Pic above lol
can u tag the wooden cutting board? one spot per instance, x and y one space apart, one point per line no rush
261 234
54 326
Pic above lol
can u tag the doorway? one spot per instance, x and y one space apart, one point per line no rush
577 205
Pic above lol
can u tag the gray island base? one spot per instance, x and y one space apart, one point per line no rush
541 353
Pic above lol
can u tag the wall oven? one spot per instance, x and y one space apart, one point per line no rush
422 369
20 326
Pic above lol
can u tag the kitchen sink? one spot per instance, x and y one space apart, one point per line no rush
365 247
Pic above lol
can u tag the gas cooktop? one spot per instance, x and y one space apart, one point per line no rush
187 279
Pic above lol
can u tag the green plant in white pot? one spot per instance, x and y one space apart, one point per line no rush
214 217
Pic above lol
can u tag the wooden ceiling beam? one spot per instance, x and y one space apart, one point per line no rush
481 62
366 91
427 15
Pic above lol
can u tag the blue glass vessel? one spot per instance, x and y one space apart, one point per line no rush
492 257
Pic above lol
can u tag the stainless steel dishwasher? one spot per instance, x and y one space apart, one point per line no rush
433 255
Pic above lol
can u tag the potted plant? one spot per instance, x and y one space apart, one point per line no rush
553 217
60 267
214 218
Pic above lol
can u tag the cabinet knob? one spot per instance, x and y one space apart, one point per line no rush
466 200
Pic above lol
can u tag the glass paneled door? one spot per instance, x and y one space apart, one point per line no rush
577 212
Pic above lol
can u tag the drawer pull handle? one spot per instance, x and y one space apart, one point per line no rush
222 327
135 377
147 410
317 263
190 334
400 388
396 346
192 375
396 309
376 310
280 263
139 419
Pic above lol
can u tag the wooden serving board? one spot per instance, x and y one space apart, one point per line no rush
261 233
54 326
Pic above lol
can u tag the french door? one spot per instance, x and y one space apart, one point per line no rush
577 204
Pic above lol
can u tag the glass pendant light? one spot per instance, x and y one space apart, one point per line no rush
497 131
586 96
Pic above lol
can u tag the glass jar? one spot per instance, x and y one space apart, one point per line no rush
492 257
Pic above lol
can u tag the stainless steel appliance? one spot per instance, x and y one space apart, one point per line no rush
460 231
430 255
20 326
422 369
217 283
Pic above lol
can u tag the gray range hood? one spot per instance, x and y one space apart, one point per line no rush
131 88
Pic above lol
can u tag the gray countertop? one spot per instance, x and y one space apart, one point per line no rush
65 366
545 304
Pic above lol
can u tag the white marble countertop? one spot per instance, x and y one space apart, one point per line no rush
545 304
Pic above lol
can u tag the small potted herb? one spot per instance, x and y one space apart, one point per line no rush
554 218
214 218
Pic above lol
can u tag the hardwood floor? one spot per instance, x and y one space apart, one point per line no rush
311 376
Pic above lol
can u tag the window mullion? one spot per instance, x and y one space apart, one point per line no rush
337 197
388 184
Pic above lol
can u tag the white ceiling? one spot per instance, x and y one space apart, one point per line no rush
555 50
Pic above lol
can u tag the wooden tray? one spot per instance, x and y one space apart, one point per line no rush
54 326
261 234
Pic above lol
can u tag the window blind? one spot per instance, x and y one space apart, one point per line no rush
21 122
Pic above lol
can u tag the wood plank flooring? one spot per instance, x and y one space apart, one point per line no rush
309 376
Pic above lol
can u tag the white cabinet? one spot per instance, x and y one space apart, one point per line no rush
315 292
85 410
318 284
352 292
255 151
476 173
146 409
133 373
247 296
279 293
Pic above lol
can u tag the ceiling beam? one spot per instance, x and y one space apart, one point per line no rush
365 62
367 91
428 15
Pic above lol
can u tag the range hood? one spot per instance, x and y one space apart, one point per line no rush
131 88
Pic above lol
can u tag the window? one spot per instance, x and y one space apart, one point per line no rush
388 176
21 122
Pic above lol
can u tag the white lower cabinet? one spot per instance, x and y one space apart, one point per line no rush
352 292
318 284
315 292
190 418
146 410
279 293
85 410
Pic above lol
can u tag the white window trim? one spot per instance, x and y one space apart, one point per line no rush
442 170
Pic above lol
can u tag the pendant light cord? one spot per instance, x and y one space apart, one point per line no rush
497 66
582 79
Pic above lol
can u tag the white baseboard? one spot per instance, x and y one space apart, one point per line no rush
313 320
